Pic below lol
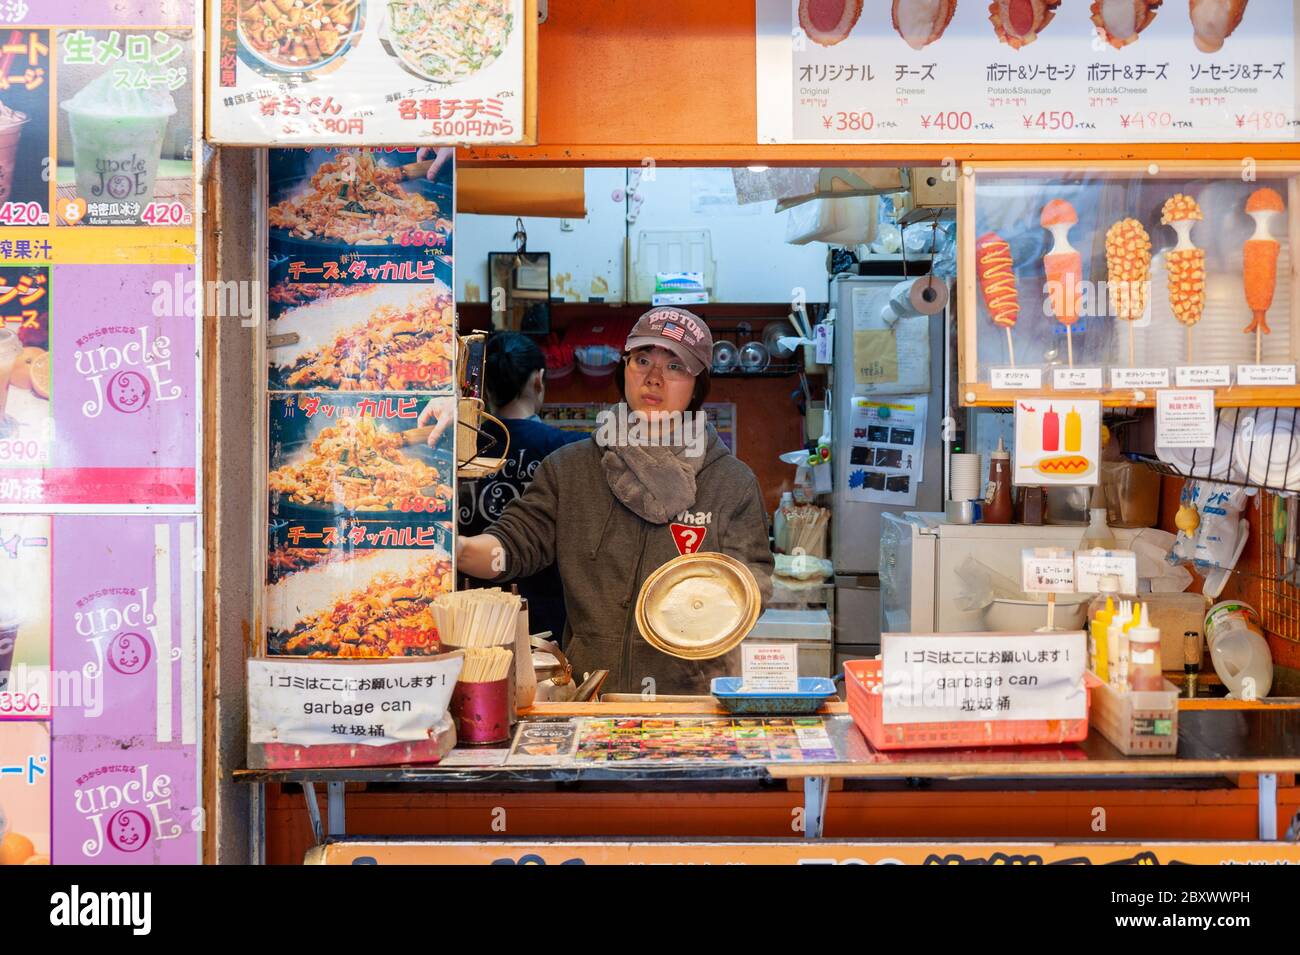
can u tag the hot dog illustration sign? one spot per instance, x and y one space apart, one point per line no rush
1058 443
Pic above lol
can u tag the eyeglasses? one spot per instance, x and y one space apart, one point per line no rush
672 371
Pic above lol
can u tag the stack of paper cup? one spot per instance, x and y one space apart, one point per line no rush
965 477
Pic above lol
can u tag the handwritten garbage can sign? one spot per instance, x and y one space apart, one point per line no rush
948 678
321 702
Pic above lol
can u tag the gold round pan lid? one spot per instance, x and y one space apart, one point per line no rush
698 606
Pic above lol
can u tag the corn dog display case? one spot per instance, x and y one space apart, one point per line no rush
1112 281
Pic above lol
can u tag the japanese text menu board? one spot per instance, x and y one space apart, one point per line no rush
949 72
364 72
100 691
361 351
100 703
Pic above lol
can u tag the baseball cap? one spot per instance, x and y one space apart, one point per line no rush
681 332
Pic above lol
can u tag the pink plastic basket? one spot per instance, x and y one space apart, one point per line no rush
862 681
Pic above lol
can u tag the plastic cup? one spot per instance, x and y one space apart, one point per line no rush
115 157
9 136
8 642
11 348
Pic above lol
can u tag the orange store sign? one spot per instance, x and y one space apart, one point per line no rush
379 852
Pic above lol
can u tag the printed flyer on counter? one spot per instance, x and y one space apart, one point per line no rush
370 71
361 353
117 756
929 71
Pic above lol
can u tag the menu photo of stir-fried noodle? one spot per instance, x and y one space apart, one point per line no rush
448 40
354 198
372 603
396 337
335 453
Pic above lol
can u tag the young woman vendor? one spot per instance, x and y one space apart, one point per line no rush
516 390
610 510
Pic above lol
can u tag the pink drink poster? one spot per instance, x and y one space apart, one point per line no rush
126 719
108 414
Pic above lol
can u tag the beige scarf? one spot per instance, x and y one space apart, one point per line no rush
655 482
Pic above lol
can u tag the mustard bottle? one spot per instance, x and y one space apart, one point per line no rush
1073 431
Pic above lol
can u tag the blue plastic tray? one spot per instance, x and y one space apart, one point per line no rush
812 693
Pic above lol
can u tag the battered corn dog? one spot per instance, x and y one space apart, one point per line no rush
997 281
1120 21
1063 266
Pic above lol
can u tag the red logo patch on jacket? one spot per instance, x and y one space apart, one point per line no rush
687 538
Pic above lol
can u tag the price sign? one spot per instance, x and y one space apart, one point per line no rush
1091 566
1047 570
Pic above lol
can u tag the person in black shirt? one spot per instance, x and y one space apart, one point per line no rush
516 389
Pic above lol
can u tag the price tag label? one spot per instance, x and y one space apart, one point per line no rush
770 667
1020 379
1266 375
1077 379
1203 376
1092 565
1185 419
1047 570
1139 377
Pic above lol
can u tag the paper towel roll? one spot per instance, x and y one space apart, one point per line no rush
927 295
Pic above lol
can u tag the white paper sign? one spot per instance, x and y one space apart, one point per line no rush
399 71
319 702
771 667
1077 379
1139 377
941 678
1091 565
1018 379
1047 570
925 71
1203 376
1184 419
1058 442
1266 374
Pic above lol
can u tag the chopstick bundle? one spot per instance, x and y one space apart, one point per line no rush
806 526
476 618
486 665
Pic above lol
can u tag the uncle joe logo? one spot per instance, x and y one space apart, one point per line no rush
127 813
126 377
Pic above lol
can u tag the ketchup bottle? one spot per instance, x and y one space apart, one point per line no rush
1051 430
997 497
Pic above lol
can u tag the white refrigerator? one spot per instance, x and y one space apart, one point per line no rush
921 345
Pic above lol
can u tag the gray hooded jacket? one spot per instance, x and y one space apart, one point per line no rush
605 552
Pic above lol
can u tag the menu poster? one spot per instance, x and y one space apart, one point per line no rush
361 349
100 616
125 126
358 216
128 713
25 157
24 793
99 386
370 71
946 72
24 615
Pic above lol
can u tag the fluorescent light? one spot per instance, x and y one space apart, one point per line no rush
757 168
